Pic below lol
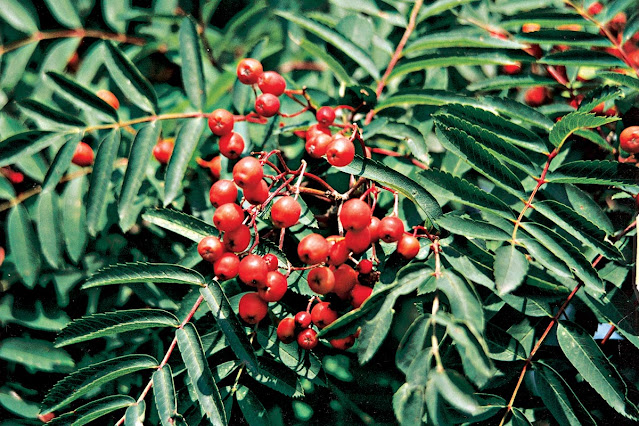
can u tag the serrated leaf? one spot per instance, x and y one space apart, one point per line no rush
23 245
164 393
129 79
185 144
254 412
61 162
317 52
198 369
464 303
192 72
511 267
575 121
284 381
48 228
74 218
471 228
100 325
501 82
404 185
138 272
19 15
459 37
101 179
93 410
624 80
327 34
139 157
47 116
182 224
599 95
36 354
599 172
229 324
563 37
82 97
64 13
89 378
583 58
26 144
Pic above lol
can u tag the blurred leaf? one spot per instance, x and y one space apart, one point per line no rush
15 404
129 273
317 52
19 14
48 228
575 121
182 224
61 162
583 58
64 12
23 245
511 81
595 173
458 37
74 218
113 12
253 410
408 404
164 392
192 73
511 267
101 179
36 318
25 144
439 6
36 354
14 64
597 96
93 410
46 116
622 79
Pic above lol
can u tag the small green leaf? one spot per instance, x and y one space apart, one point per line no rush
61 162
562 130
82 97
563 37
93 410
164 392
36 354
408 404
511 267
48 227
624 80
181 223
599 172
138 272
454 388
185 145
192 73
74 217
599 95
134 415
439 6
23 245
65 13
20 15
101 179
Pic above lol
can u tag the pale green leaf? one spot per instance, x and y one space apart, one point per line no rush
138 272
511 267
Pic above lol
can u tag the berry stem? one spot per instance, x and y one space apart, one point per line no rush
299 180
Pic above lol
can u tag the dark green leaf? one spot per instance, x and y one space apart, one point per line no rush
412 343
182 224
185 144
48 228
61 162
599 95
138 272
463 301
82 97
471 228
510 81
272 375
511 267
595 173
93 410
23 245
101 179
305 364
47 116
26 144
583 58
134 415
36 354
164 392
192 72
575 121
253 410
563 37
459 37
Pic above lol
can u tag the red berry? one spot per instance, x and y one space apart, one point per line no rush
374 229
256 194
216 167
238 239
344 343
313 249
325 116
345 280
536 96
267 105
231 145
221 122
162 151
253 270
247 172
391 229
511 69
227 266
359 294
595 8
322 314
273 288
271 262
317 145
355 215
337 252
307 339
286 330
109 98
223 192
321 280
358 241
272 82
83 155
228 217
408 246
340 152
316 129
629 139
249 71
303 319
210 248
285 212
365 266
252 308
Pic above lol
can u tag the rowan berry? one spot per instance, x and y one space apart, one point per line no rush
272 82
210 248
274 287
307 339
227 266
340 152
355 215
267 105
238 239
83 155
629 139
359 294
391 229
162 151
303 319
408 246
313 249
221 122
222 192
285 212
322 314
286 330
231 145
252 308
249 71
321 280
247 172
325 116
253 270
228 217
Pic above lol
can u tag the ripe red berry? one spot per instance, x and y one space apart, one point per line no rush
408 246
247 172
321 280
231 145
221 122
238 239
272 82
253 270
340 152
222 192
228 217
303 319
536 96
358 241
345 280
325 116
322 314
355 215
374 229
83 155
511 69
317 145
274 287
337 252
286 330
249 71
109 98
271 261
343 343
256 194
359 294
267 105
252 308
316 129
313 249
227 266
210 248
595 8
162 151
391 229
307 339
365 266
629 139
285 212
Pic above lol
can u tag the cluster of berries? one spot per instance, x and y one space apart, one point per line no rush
339 150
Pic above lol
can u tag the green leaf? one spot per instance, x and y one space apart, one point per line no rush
317 52
89 378
575 121
595 173
48 220
26 144
139 157
109 323
192 72
82 97
181 223
327 34
65 13
185 144
511 267
305 364
471 228
113 12
254 412
36 354
410 135
164 393
563 37
583 58
229 324
624 80
101 179
464 303
19 14
501 82
23 245
49 117
74 218
599 95
412 343
17 405
459 37
93 410
271 374
134 415
14 65
593 365
61 162
129 79
454 388
404 185
138 272
439 6
198 369
408 404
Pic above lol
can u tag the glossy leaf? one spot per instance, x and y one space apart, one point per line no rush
129 273
134 414
583 58
599 172
182 224
575 121
463 301
48 227
511 267
23 244
93 410
18 14
82 97
113 12
164 393
185 144
622 79
192 73
101 179
36 354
